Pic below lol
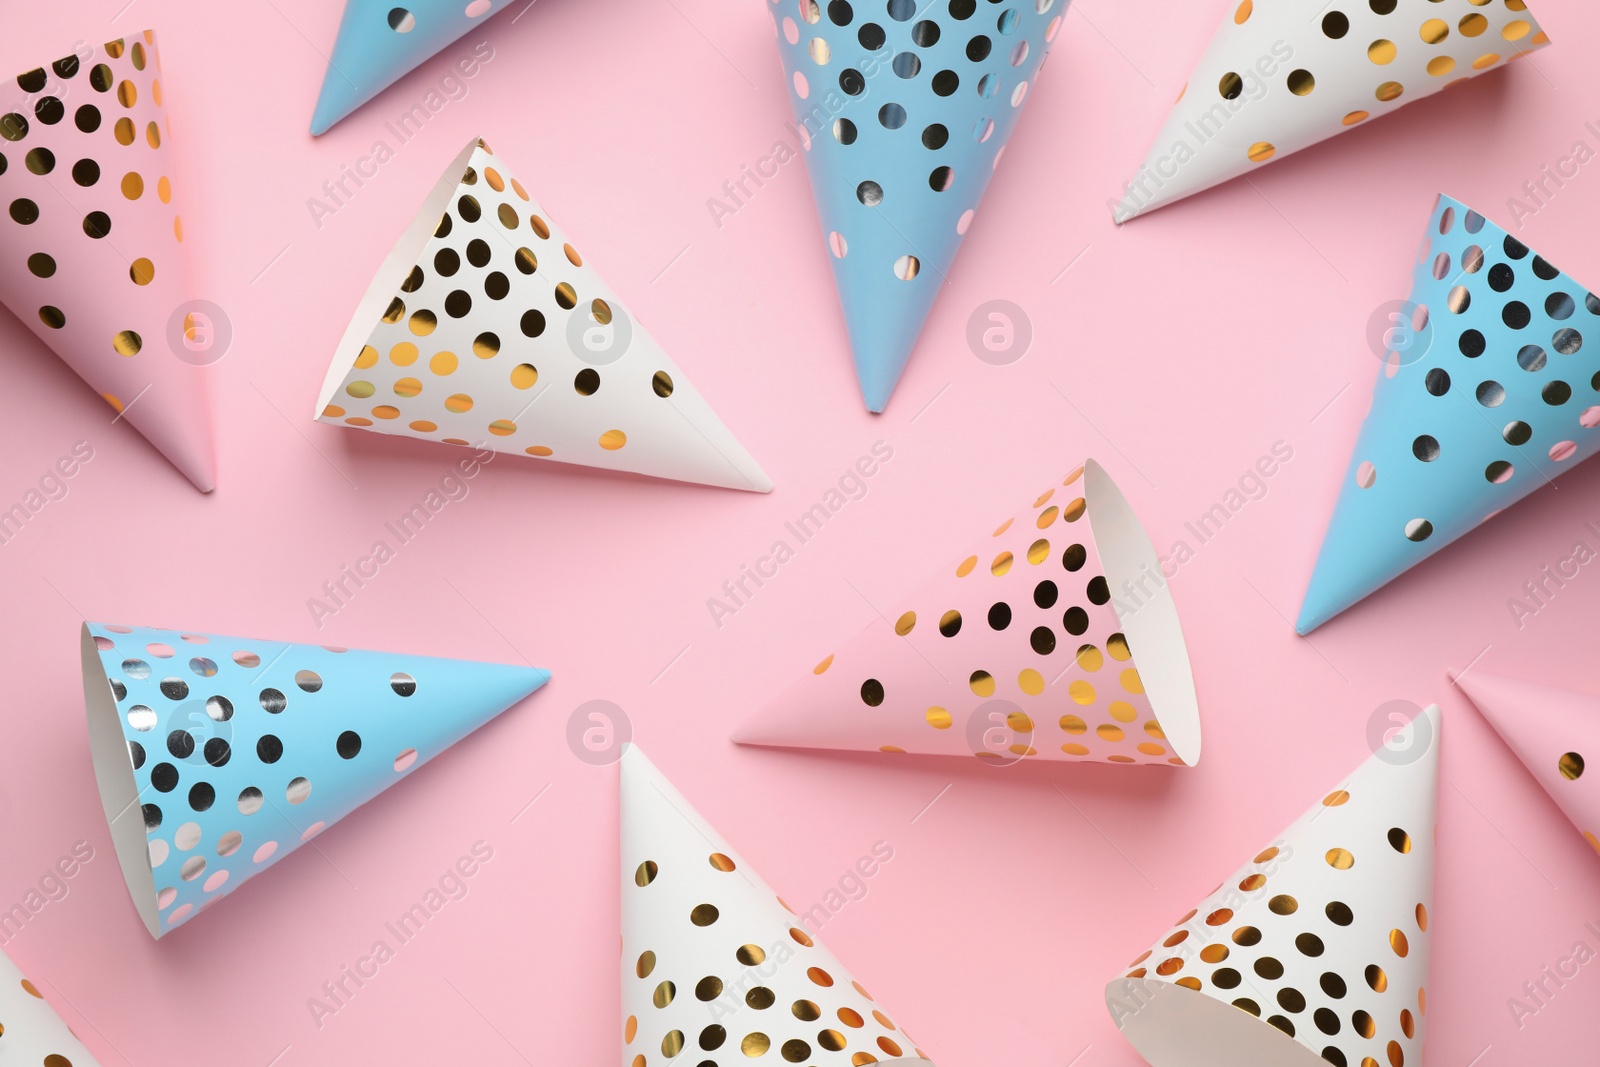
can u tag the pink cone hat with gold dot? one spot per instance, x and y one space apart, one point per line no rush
1055 637
1281 75
91 242
1555 732
715 966
1315 952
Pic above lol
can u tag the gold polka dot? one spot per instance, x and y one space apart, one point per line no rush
612 440
1262 151
403 354
539 450
1250 884
1488 59
966 565
1074 510
1434 30
1390 91
824 665
1074 725
1302 82
443 363
116 405
127 94
905 623
424 426
1242 12
177 228
1117 646
1439 66
386 411
1030 682
1046 517
1131 681
31 989
1153 728
982 683
524 375
1336 798
1340 859
368 357
458 403
124 131
502 427
407 387
1354 117
332 411
1081 692
1150 748
1089 658
1473 25
508 217
1003 527
1002 564
572 255
358 420
939 718
1381 52
1398 942
1039 551
360 390
132 185
423 322
142 271
164 189
127 343
1109 732
1122 711
1072 749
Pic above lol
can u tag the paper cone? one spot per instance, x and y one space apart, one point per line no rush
902 115
1551 731
30 1031
1280 75
91 251
714 964
483 326
1056 637
1316 951
1495 396
380 43
218 756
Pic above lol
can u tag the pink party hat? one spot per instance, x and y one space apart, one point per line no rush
1056 638
1550 730
91 247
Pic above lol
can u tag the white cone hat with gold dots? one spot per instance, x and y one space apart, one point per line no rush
485 327
714 965
1056 637
91 243
30 1030
1316 951
1281 75
1555 732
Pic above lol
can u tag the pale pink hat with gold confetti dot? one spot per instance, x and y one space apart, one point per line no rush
1316 951
715 965
30 1030
1055 638
1279 76
485 327
91 243
1554 732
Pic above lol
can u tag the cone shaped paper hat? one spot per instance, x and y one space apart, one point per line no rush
1316 951
713 960
1281 75
218 756
1056 638
1552 731
91 247
1494 395
380 43
485 327
902 110
32 1031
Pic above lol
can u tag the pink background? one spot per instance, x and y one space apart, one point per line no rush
1188 343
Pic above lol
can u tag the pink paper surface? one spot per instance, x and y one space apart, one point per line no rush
1177 350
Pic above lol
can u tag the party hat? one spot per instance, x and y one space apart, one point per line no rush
484 326
1055 637
902 111
380 43
1550 730
714 964
1281 75
30 1030
218 756
1488 391
91 249
1316 951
